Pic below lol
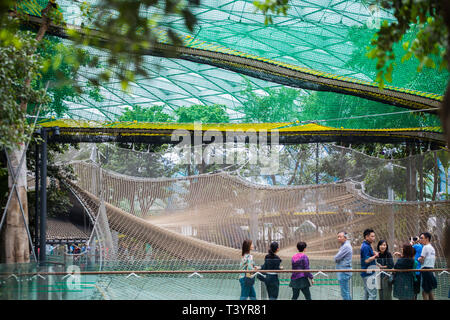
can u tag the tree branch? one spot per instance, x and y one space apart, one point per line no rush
40 35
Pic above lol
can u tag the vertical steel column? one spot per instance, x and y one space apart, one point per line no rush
391 221
43 200
36 200
317 163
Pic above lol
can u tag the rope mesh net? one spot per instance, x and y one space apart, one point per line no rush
149 213
198 222
141 221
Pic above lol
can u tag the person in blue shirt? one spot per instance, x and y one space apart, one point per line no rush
368 258
343 260
418 250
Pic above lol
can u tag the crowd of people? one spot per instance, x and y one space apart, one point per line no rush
417 254
76 248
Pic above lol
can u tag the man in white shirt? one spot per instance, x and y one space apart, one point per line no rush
427 259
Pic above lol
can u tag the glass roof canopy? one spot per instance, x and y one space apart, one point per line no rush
314 34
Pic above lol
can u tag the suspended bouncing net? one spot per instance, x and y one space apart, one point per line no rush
199 221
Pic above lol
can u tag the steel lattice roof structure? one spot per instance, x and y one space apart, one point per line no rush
315 35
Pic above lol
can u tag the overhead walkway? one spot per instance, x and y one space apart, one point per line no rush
289 132
62 231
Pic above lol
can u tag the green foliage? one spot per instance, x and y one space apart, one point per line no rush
19 62
274 6
5 5
47 62
129 33
215 113
367 167
58 201
327 106
425 19
429 45
144 114
149 114
138 164
277 106
379 179
300 166
446 242
60 65
351 112
405 74
152 163
122 32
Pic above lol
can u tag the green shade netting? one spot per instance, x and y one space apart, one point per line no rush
328 37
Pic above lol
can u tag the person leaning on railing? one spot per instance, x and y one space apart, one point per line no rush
384 261
447 248
367 261
271 262
404 281
301 280
418 251
247 280
343 260
427 259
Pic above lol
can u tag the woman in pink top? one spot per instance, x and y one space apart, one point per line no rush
300 280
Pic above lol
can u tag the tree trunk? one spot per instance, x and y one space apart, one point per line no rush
411 192
445 114
421 184
15 236
274 180
435 176
297 163
446 241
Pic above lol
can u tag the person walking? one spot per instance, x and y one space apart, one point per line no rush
343 260
427 259
272 262
247 280
404 281
367 261
384 261
301 280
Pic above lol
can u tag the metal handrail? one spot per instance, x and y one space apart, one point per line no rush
138 272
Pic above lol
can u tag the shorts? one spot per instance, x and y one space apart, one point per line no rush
429 281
